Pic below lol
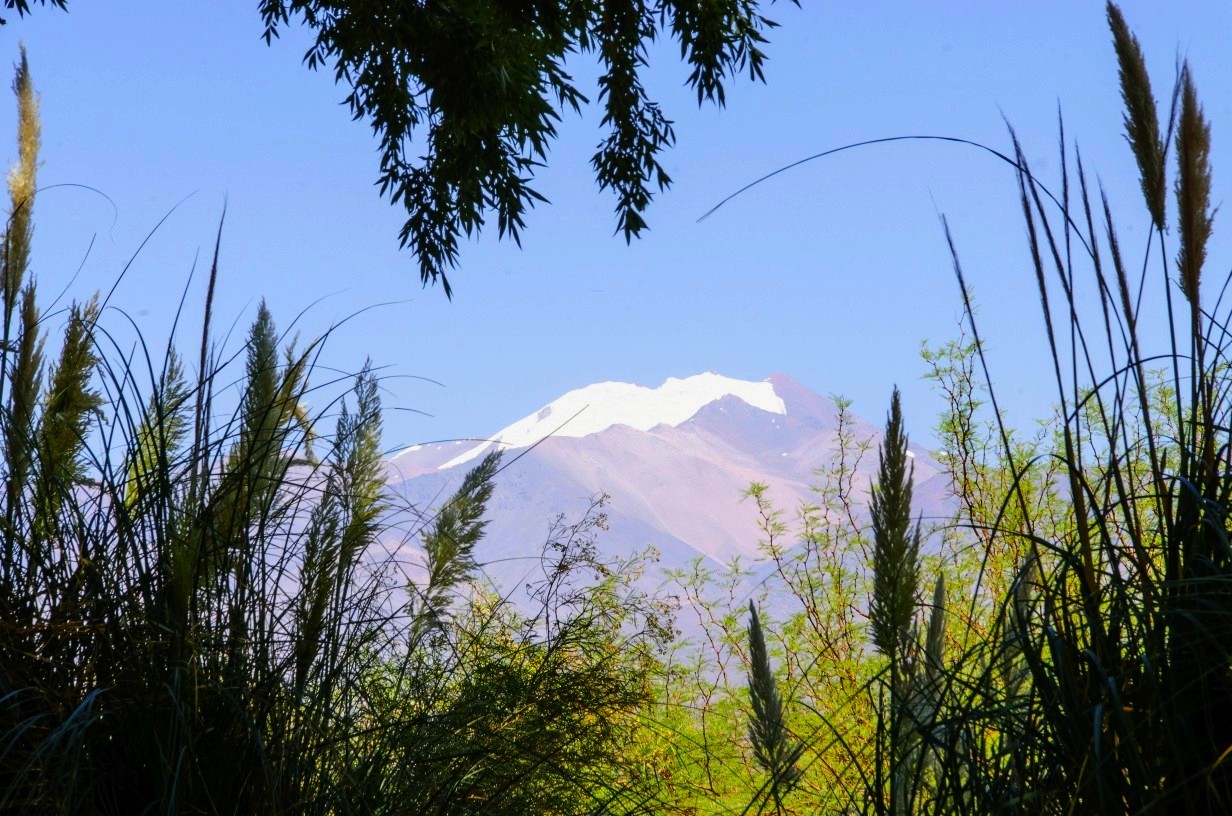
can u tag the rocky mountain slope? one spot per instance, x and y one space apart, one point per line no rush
674 460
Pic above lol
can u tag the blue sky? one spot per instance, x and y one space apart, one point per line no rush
834 272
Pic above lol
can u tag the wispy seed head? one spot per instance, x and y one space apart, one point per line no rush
1141 116
1193 187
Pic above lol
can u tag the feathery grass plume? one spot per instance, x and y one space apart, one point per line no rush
16 235
272 408
892 609
317 578
896 547
357 459
892 619
68 410
260 410
345 521
450 544
773 747
269 409
1193 188
1141 114
18 420
21 183
21 371
163 429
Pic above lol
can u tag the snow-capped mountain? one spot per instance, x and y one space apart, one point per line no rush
596 408
675 461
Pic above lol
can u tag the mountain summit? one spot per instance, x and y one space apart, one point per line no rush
595 408
675 461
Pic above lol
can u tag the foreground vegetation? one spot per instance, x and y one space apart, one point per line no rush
197 614
202 610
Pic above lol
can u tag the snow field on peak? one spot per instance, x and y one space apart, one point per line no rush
598 407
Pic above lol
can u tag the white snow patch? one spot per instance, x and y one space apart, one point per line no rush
404 451
598 407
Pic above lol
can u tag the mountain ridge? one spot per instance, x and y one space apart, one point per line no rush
675 486
596 407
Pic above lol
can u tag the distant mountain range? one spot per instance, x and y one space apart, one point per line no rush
675 461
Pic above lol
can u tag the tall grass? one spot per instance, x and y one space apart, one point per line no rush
1104 682
1118 633
1108 685
199 613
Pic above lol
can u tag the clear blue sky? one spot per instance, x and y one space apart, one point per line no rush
833 273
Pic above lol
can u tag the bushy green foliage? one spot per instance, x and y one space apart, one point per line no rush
536 711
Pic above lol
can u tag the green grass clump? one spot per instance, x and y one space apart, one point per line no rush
1120 624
